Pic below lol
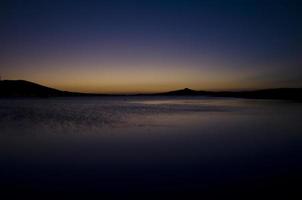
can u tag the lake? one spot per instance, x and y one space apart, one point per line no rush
149 144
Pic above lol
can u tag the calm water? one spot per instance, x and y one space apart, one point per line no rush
147 144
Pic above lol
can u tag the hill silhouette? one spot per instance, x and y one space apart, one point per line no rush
22 88
16 88
277 93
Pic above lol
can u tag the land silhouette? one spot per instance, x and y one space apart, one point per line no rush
22 88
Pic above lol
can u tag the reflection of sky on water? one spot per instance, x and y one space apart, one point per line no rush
86 115
150 141
96 115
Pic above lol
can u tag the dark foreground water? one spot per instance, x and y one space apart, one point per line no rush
137 145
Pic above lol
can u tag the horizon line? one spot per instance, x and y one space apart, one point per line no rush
156 92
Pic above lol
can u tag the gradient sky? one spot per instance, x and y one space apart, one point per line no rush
148 46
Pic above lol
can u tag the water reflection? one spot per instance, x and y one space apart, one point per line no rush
88 115
121 144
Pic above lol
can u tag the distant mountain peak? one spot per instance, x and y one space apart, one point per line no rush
185 91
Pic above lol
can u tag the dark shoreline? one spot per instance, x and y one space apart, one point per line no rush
21 88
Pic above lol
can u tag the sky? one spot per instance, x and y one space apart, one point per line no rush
130 46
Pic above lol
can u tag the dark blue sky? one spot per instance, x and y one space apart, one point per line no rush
134 46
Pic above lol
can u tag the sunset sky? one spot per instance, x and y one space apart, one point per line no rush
149 46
